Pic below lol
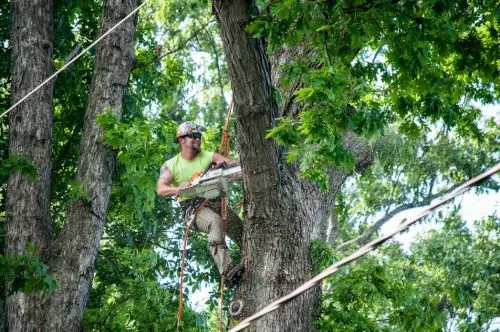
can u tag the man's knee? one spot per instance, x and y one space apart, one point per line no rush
207 220
217 245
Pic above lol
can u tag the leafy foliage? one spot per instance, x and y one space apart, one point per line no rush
126 285
25 273
411 173
16 164
449 278
371 63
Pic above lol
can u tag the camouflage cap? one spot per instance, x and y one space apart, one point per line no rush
186 128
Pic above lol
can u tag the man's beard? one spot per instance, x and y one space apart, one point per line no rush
196 148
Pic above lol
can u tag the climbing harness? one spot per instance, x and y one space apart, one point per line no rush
189 208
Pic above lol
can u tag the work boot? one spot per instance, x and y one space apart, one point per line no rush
233 274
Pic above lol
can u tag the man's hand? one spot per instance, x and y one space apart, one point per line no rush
182 186
231 163
226 164
218 159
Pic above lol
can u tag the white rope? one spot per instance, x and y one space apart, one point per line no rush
365 249
73 60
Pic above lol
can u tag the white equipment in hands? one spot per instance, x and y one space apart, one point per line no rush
212 184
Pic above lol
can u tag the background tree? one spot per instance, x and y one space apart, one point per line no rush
408 174
436 285
27 212
133 232
27 208
4 100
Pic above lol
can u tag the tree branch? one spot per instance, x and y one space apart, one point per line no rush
159 53
64 153
363 238
113 311
185 42
112 261
219 73
73 53
391 200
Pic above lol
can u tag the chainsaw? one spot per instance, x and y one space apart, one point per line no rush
212 183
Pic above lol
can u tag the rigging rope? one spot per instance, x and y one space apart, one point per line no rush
73 60
224 150
183 259
224 144
365 249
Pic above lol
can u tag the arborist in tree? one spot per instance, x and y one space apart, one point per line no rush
176 174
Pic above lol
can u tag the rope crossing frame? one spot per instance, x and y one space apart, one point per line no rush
74 59
366 248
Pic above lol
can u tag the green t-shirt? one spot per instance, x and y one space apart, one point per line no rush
182 169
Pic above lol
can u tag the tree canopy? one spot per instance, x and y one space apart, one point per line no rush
408 77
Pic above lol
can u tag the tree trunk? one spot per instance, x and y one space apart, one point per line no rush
73 253
284 213
277 228
30 137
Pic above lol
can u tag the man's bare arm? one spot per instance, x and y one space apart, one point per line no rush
164 186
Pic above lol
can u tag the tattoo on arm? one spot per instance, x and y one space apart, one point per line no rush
165 174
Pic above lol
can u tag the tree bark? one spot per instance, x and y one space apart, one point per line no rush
73 254
30 137
284 213
278 227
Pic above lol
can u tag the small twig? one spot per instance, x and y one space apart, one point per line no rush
73 53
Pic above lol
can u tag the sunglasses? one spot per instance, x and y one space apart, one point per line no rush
193 136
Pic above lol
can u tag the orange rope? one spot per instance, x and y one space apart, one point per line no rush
224 144
238 204
181 277
224 150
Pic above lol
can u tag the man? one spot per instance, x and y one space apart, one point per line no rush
176 174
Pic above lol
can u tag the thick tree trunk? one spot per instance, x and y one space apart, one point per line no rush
279 224
30 125
284 213
74 252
